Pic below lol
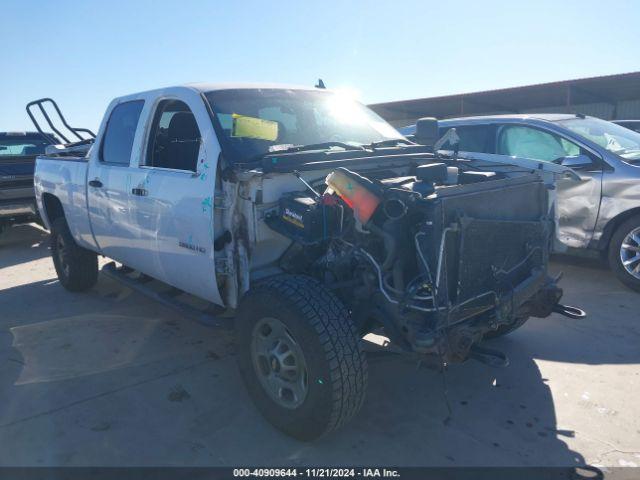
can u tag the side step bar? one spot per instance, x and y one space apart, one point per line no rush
167 298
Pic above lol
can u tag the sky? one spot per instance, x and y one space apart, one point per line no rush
83 54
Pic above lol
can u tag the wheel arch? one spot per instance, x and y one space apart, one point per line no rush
612 225
52 207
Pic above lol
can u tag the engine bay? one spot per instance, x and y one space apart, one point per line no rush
437 257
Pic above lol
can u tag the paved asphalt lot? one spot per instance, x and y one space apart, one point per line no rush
110 378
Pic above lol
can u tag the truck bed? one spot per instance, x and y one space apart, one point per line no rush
65 177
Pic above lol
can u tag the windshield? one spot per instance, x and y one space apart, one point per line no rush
619 140
254 122
16 145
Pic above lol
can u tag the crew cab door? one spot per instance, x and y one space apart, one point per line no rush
578 202
108 184
172 191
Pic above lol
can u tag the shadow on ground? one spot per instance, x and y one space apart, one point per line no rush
110 378
23 243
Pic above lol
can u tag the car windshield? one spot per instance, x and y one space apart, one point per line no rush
16 145
255 122
619 140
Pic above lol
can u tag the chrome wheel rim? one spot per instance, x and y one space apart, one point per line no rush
62 254
630 253
279 363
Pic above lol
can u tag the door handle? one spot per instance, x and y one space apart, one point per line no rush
95 183
141 192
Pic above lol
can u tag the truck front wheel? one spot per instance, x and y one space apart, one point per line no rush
624 253
77 267
300 356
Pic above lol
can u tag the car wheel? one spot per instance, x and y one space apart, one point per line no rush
624 253
77 267
300 356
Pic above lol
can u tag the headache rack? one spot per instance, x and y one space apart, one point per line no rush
83 136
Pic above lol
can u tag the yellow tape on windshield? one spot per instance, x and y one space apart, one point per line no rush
251 127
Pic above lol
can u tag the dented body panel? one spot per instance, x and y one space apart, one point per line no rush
620 197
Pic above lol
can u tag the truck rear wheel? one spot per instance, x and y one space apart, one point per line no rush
624 253
77 267
300 356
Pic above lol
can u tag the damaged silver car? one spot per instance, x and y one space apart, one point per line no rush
599 213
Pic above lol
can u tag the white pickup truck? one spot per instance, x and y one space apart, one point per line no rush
312 222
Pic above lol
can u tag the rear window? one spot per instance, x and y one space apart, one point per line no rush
121 129
20 145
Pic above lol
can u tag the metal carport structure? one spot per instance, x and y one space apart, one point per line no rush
609 97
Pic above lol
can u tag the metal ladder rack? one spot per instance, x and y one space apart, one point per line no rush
88 137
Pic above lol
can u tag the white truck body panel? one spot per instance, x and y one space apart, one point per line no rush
155 233
67 181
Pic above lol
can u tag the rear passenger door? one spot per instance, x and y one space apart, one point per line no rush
108 184
172 197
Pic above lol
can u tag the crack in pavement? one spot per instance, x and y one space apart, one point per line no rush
600 458
104 394
612 448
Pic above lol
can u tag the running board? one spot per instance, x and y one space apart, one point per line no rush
167 298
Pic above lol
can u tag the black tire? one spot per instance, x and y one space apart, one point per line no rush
506 329
615 258
77 267
335 363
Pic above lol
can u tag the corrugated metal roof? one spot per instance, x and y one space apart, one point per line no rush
607 90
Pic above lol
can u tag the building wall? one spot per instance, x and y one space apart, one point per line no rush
629 109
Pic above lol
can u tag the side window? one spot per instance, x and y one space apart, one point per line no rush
174 141
121 129
570 148
532 143
475 138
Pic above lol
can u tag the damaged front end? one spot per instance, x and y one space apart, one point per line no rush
439 258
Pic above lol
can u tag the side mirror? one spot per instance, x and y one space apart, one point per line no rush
426 131
576 161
